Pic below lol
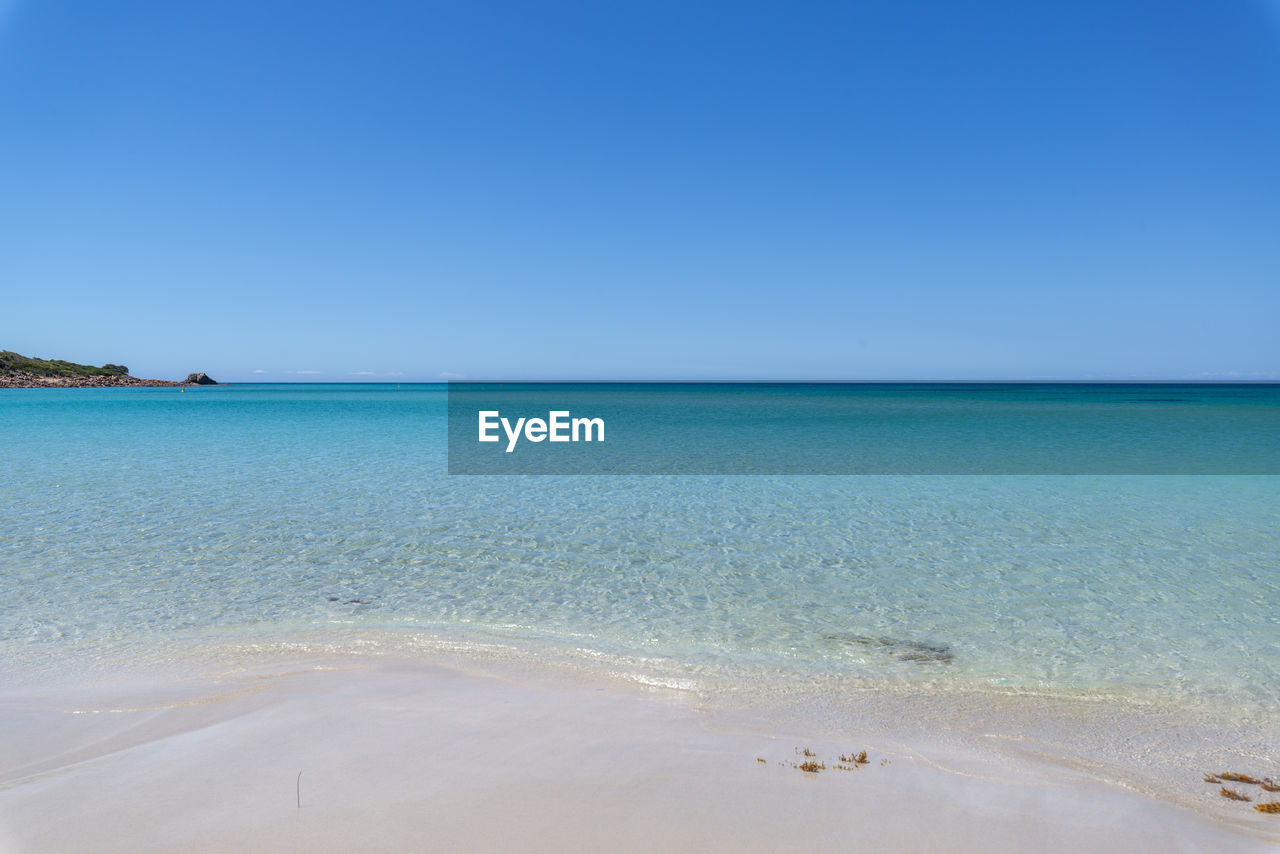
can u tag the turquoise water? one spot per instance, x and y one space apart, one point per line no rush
135 516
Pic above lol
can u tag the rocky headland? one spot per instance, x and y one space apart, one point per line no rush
18 371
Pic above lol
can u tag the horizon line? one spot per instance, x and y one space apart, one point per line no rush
787 381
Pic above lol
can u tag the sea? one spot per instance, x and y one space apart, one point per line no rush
138 521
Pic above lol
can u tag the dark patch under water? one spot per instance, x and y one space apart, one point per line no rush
903 650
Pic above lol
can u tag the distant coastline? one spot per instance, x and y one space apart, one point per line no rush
18 371
97 381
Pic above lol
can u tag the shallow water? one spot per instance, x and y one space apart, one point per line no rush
134 517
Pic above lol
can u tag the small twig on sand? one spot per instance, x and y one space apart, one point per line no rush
299 790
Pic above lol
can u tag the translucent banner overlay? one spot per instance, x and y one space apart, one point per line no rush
863 428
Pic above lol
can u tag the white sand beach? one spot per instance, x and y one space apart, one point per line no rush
408 755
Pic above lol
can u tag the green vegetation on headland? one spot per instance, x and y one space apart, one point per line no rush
14 363
18 371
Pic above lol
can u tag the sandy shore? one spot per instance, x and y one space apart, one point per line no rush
402 755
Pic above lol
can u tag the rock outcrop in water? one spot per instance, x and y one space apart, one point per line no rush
200 378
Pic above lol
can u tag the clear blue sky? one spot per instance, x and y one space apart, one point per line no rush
696 190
